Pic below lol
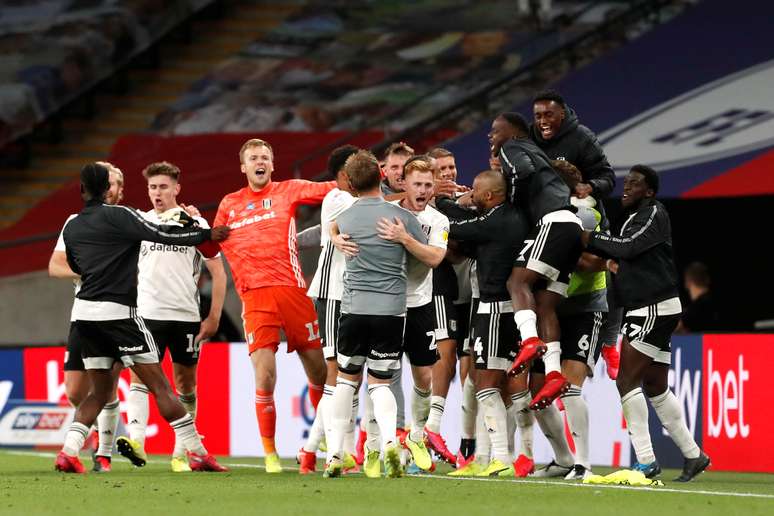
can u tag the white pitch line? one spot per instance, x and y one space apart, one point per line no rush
506 480
603 486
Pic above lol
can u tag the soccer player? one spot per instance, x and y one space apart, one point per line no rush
168 301
326 288
103 244
647 287
373 308
445 292
558 132
541 271
422 332
581 317
75 379
395 158
263 257
497 233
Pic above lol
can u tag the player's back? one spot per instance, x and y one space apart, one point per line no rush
375 279
103 244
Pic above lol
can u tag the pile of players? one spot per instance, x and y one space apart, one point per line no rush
510 278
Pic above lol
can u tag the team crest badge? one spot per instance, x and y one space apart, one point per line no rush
266 204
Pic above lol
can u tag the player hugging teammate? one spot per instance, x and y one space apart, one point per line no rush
520 280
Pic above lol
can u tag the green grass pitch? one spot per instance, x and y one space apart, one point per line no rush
30 486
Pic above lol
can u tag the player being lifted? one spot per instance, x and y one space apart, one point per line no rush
75 378
168 301
542 268
263 257
373 308
497 233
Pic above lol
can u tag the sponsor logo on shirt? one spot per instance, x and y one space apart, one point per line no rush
252 220
154 247
250 206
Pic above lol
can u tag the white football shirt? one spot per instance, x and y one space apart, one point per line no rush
328 281
60 246
168 276
419 286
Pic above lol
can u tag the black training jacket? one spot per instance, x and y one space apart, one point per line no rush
497 235
533 184
103 244
577 144
643 249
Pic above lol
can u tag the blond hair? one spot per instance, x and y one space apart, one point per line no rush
254 142
112 169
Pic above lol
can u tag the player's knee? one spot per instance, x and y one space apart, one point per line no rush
624 385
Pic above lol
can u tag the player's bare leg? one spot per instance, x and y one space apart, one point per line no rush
531 311
176 415
76 387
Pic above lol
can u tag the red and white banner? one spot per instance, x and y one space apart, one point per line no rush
738 425
226 405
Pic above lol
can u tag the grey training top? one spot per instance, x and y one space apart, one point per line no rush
375 279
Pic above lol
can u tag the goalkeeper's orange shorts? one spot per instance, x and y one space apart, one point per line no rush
267 309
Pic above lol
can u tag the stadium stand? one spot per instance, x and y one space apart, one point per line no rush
85 128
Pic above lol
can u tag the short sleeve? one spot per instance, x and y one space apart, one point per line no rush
60 243
439 233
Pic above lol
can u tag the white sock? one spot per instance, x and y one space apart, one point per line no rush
469 409
349 437
437 406
553 357
669 412
137 412
420 409
185 432
493 408
511 414
525 421
578 420
635 411
400 401
341 411
526 321
552 425
385 411
108 424
189 403
373 435
75 438
483 443
317 431
327 415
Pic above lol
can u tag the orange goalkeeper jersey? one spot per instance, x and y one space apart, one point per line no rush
261 248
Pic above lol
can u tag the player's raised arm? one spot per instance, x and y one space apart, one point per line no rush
132 223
